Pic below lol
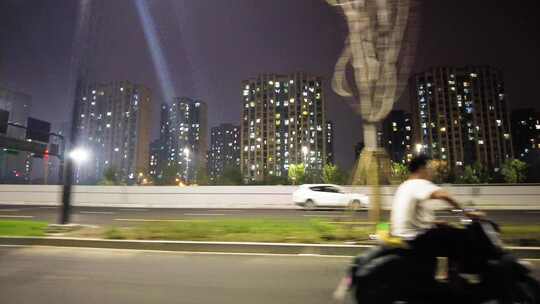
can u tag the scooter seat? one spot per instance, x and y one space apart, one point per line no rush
391 241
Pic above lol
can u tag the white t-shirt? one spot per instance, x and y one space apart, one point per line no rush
410 216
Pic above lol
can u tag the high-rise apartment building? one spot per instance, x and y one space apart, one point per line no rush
224 150
185 131
330 157
113 122
525 132
397 136
460 115
283 123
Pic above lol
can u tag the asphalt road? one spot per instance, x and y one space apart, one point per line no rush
61 275
130 216
80 275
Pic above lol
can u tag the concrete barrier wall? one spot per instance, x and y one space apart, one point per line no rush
498 197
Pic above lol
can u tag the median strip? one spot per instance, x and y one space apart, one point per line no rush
147 220
97 212
313 236
204 214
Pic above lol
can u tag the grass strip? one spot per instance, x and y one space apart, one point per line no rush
22 228
242 230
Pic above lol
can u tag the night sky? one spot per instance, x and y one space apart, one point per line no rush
210 46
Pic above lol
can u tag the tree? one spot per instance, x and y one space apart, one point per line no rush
202 176
331 174
441 172
275 180
297 174
169 176
400 172
231 176
468 176
514 171
475 174
110 178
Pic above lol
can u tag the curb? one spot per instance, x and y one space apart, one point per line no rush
222 247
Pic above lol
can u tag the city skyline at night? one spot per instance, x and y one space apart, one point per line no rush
211 69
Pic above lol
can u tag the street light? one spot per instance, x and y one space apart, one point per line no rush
186 152
418 148
305 151
79 155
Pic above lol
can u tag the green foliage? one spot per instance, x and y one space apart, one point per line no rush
468 176
276 180
514 171
297 174
331 174
110 178
243 230
400 172
231 176
22 228
474 174
169 176
202 176
441 171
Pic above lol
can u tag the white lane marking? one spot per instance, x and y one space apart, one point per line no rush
146 220
190 252
204 214
97 212
141 210
48 207
323 215
204 252
17 216
10 210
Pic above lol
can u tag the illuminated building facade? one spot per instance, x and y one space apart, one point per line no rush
185 131
460 115
224 150
113 123
330 157
397 136
283 123
525 132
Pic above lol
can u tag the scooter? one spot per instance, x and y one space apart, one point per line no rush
394 273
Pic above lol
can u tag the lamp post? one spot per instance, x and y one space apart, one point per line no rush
186 153
77 156
418 148
305 151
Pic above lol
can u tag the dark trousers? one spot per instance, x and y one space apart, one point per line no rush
441 241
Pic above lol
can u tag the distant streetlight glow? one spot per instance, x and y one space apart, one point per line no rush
186 152
79 155
305 151
418 148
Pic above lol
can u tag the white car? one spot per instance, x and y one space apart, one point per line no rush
327 195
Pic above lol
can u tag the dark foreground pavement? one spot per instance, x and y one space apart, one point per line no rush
131 216
63 275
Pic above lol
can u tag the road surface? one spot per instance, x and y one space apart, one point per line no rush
50 275
130 216
60 275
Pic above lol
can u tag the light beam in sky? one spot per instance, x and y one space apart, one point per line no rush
158 58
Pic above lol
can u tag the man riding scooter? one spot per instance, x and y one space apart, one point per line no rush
413 219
